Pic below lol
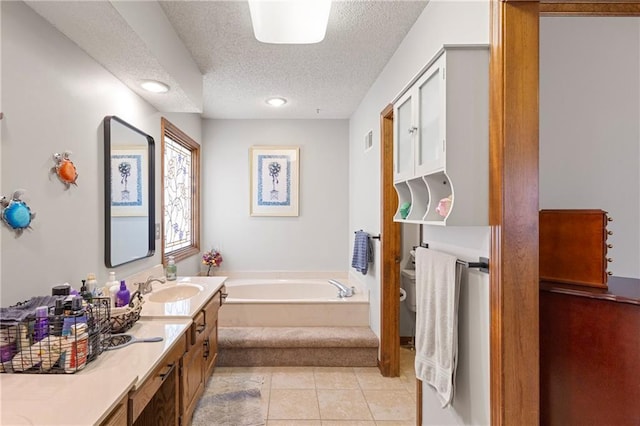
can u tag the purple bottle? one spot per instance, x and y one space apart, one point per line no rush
123 296
41 327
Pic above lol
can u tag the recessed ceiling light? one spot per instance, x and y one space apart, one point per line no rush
276 101
290 21
154 86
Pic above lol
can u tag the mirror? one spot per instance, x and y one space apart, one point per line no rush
129 192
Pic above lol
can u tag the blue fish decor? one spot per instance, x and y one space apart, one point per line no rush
15 213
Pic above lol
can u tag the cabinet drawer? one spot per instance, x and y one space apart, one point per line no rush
573 247
211 313
117 417
139 399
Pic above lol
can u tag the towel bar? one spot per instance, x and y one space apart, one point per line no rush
374 237
482 264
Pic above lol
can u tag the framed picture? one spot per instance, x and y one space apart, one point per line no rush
128 181
274 180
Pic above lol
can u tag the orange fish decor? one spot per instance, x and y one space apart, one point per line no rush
65 169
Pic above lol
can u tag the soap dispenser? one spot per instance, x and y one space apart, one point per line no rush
172 269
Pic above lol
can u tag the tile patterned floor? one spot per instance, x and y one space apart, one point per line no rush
336 396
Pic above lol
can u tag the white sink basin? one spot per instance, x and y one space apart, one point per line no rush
175 293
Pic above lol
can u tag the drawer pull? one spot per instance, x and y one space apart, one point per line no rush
207 348
169 371
200 328
223 296
609 232
609 245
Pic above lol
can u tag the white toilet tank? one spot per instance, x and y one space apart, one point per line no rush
408 283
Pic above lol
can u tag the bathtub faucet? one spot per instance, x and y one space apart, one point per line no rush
343 290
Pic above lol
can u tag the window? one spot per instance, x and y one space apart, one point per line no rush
180 193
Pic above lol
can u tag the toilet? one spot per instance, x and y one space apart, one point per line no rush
408 283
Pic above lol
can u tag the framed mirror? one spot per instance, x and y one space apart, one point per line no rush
129 192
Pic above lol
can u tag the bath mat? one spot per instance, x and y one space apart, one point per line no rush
230 400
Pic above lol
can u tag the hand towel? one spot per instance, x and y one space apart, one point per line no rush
437 289
362 252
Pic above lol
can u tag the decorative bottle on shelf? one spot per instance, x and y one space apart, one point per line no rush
172 269
123 296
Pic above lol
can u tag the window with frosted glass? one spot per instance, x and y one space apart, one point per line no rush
180 199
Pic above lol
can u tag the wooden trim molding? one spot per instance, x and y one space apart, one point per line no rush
390 254
169 129
591 8
513 213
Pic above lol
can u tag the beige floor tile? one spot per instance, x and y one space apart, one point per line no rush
336 379
343 404
294 379
396 423
291 404
294 423
374 380
390 404
348 423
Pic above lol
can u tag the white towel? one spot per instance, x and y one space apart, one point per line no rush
437 288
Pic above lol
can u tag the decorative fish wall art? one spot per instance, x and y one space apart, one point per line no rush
65 169
15 213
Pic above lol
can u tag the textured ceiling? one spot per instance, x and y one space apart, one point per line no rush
323 80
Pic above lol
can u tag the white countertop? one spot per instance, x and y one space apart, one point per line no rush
88 396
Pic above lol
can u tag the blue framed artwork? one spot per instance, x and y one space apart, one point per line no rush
128 181
274 180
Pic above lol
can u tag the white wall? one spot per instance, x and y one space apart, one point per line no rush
54 98
316 240
442 22
589 126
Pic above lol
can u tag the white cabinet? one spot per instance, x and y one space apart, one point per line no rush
441 140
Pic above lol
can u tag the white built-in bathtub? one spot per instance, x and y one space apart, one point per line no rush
291 303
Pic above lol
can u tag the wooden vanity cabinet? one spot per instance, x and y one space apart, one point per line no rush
199 360
211 342
157 401
118 416
192 377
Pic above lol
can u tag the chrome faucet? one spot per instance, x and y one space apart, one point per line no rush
146 286
343 290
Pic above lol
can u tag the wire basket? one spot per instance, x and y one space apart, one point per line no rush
123 318
56 343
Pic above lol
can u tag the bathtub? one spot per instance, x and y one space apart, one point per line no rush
291 303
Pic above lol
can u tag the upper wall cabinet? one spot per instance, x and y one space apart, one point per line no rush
441 140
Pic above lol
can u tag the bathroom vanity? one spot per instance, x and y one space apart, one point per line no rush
157 383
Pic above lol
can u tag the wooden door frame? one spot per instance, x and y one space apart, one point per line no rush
514 197
513 204
389 362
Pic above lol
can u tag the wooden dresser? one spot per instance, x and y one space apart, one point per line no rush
590 354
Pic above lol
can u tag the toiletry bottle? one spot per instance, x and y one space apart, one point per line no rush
41 327
61 290
123 295
110 283
55 327
172 269
73 315
92 284
113 294
85 293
